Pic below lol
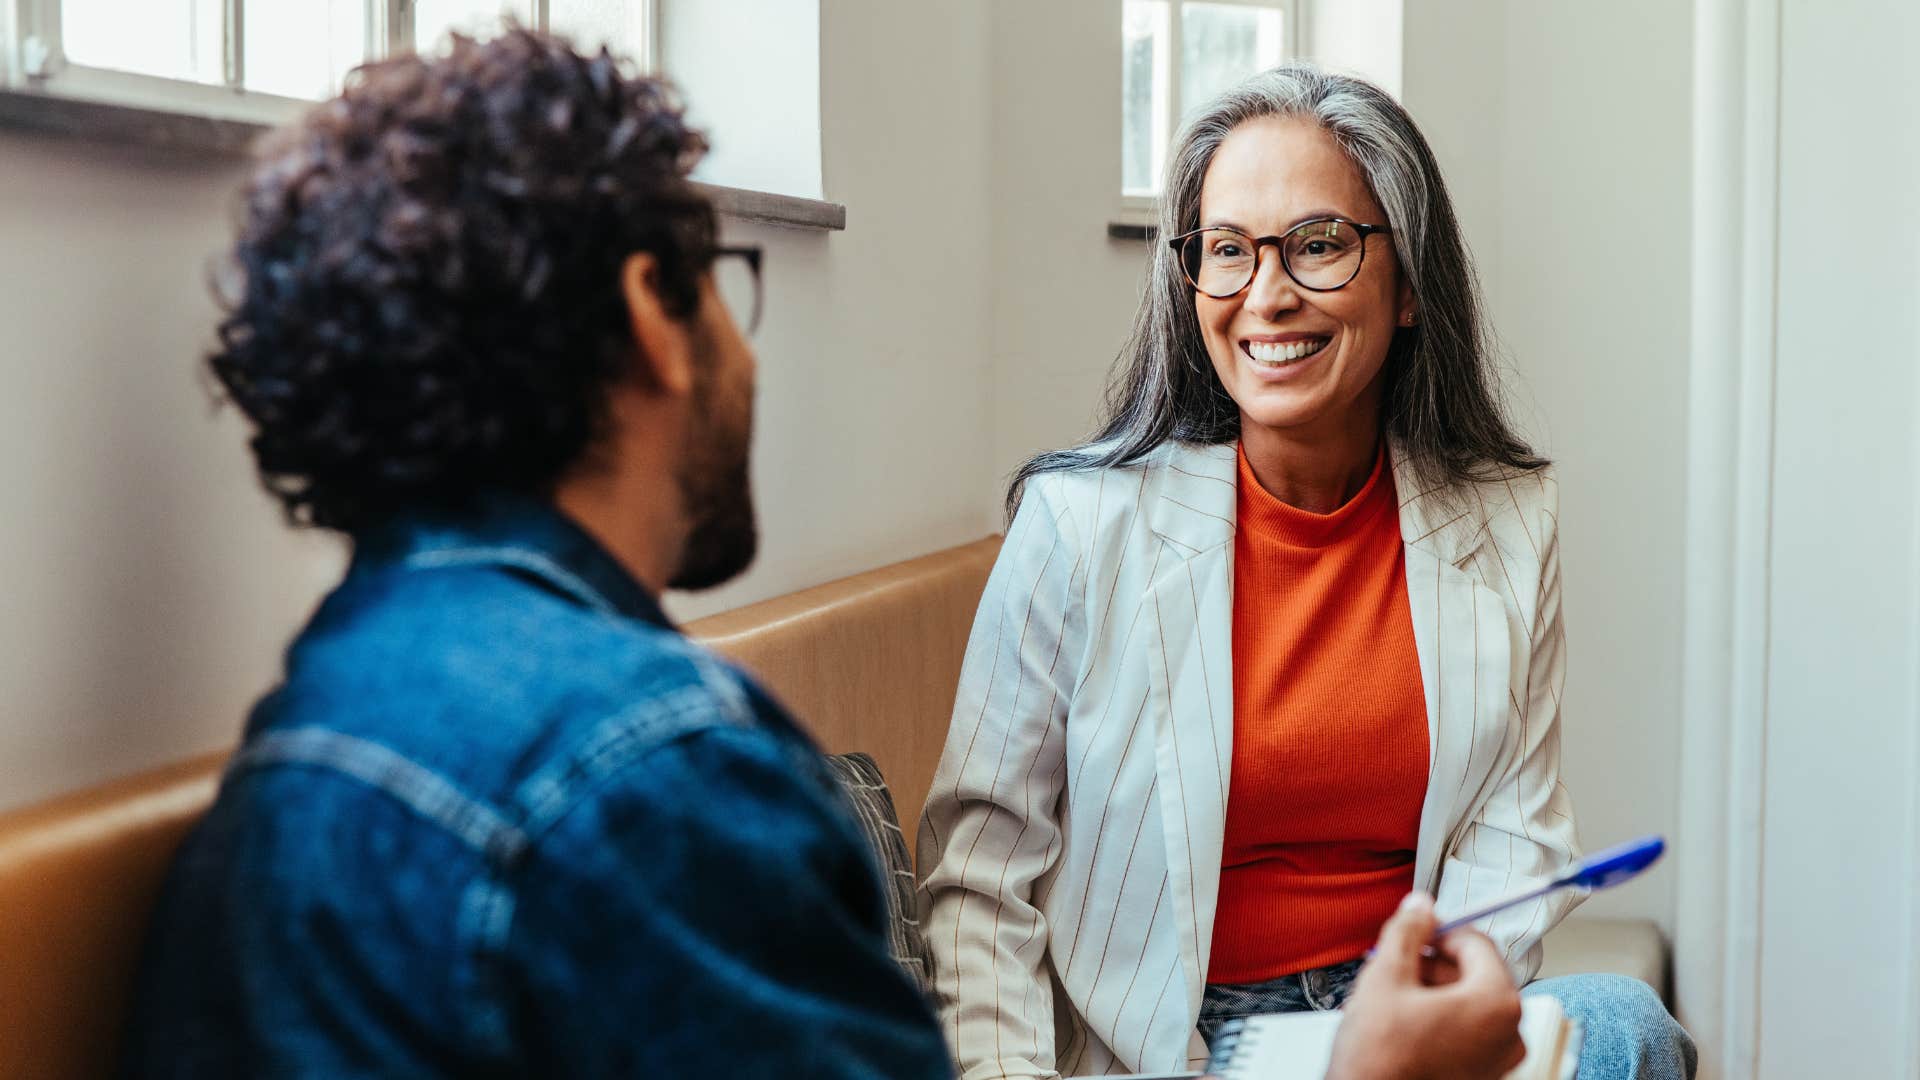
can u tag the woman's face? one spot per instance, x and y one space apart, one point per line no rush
1267 177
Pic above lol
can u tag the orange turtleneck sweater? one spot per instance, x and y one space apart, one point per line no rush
1329 734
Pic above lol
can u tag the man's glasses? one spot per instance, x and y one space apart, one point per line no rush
1320 255
736 276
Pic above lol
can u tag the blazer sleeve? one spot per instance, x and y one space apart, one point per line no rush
991 828
1524 833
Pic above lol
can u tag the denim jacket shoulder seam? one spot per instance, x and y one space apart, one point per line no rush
484 911
715 700
434 798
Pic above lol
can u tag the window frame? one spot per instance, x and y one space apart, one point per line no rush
1144 210
33 61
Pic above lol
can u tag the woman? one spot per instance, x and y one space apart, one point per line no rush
1280 645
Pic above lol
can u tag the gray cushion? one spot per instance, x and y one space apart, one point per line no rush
866 791
1583 945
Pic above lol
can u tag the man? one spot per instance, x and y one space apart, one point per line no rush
500 817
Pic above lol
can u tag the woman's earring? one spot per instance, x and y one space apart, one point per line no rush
1407 319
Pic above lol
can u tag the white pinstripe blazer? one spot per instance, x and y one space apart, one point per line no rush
1071 844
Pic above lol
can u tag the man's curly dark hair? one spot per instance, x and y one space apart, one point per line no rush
427 301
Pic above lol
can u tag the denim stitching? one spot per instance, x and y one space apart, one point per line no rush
532 562
486 908
719 693
486 918
725 685
552 791
425 792
486 911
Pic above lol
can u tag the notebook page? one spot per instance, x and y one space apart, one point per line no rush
1299 1046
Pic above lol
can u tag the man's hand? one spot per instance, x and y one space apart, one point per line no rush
1452 1017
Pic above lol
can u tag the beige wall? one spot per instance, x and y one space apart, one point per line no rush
1063 293
149 587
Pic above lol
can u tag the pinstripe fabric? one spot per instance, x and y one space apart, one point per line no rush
1071 844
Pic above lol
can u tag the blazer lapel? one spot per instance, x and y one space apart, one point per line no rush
1190 659
1460 632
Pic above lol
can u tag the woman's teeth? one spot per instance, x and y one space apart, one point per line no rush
1278 354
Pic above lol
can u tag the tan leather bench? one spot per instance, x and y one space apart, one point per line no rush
78 877
868 663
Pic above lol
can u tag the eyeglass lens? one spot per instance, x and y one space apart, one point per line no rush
739 288
1320 255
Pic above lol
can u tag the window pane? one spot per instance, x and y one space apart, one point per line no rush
433 20
303 50
1145 51
1222 44
620 25
175 39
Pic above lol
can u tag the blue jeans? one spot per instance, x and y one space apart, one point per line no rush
1629 1034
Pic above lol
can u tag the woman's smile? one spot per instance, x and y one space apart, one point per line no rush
1283 356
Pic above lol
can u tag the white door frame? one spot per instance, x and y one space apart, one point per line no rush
1735 232
1913 793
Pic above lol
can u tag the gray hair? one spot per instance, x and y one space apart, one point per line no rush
1441 397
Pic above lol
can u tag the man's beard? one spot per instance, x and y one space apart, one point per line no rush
714 486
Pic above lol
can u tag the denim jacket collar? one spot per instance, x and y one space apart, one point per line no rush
518 533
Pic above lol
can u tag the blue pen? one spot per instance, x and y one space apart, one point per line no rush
1619 863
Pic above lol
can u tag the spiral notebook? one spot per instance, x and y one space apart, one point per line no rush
1299 1046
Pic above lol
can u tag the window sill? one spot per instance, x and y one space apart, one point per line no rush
79 118
1129 230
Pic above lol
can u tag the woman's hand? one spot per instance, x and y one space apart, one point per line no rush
1455 1016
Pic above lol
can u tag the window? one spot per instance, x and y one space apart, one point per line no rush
1176 55
209 74
260 60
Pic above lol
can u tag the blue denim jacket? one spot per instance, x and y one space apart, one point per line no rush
502 819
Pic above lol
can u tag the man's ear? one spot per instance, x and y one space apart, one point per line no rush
664 343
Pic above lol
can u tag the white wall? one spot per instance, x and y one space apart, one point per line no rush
1570 172
874 407
1063 293
149 586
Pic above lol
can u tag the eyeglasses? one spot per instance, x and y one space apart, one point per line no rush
736 276
1319 255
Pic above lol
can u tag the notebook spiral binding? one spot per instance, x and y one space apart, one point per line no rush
1230 1041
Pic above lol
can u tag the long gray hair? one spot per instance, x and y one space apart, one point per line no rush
1441 395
